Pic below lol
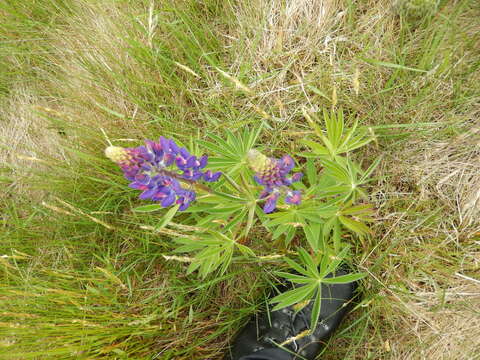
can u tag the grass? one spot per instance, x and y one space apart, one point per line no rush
80 276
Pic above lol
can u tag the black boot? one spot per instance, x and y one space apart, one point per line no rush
261 338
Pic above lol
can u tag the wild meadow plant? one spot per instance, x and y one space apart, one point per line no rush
249 192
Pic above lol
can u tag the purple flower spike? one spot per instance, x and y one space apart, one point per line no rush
273 175
146 168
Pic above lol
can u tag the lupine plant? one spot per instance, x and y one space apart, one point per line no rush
316 216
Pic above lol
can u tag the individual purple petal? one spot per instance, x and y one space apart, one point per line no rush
297 177
203 162
168 199
187 174
265 192
144 154
146 167
271 202
191 161
185 198
155 147
181 162
197 175
173 184
168 159
184 152
142 179
147 194
138 186
294 197
174 148
287 162
258 180
165 143
208 176
190 174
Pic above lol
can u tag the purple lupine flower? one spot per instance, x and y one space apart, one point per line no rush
271 201
209 176
146 168
273 174
185 197
293 197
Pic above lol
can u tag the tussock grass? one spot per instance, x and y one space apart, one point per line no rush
81 278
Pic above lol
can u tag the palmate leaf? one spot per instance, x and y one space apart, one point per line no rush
336 139
230 155
311 275
213 251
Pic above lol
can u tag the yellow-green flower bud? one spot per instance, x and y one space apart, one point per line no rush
117 154
259 162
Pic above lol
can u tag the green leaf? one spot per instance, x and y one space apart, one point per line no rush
339 172
245 250
371 169
296 267
279 231
344 279
167 217
250 220
313 236
293 296
310 264
285 218
358 210
356 226
253 136
391 65
316 309
335 261
216 149
312 172
319 92
223 209
334 125
299 279
148 208
316 147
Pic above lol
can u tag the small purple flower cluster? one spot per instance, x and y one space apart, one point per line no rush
273 175
146 166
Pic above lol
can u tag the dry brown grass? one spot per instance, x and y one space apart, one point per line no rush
25 138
